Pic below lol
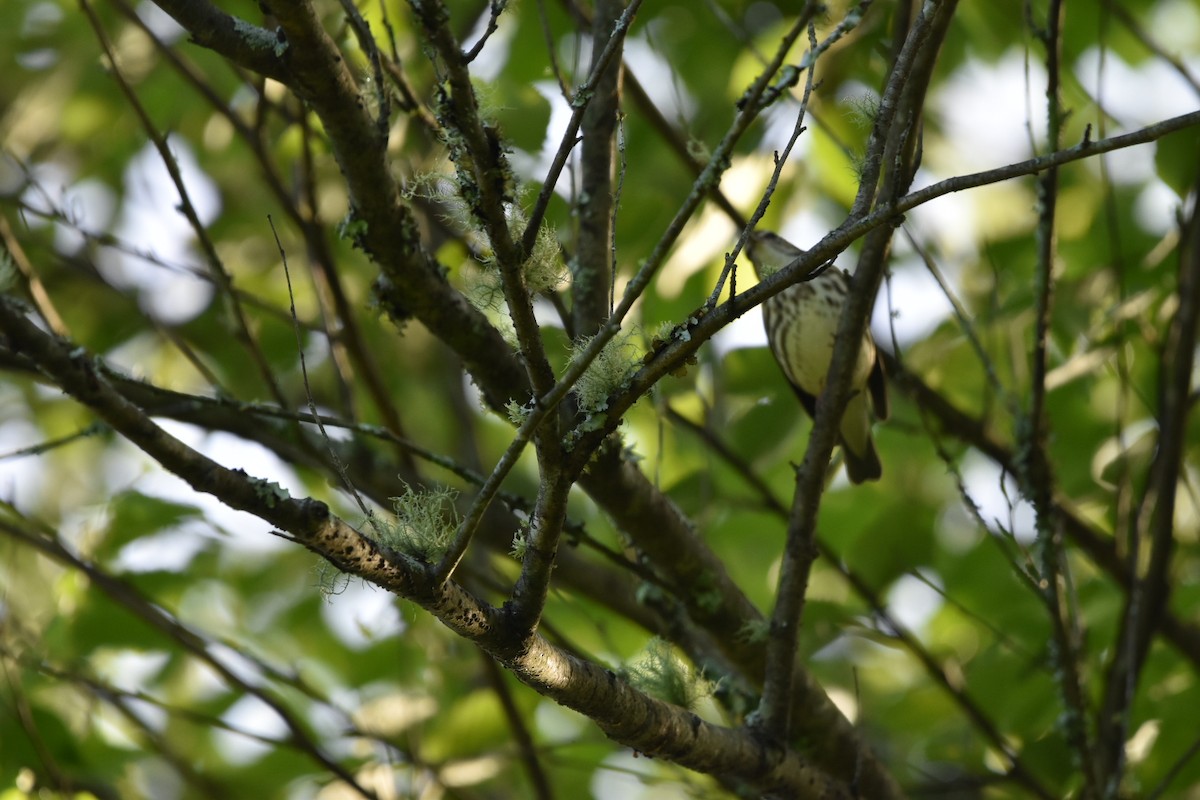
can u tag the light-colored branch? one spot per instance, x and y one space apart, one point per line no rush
649 726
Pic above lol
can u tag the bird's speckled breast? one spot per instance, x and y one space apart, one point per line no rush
803 322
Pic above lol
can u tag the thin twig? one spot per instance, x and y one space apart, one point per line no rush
493 24
579 102
223 280
338 466
126 596
1035 474
42 448
960 314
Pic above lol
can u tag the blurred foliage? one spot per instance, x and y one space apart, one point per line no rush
103 699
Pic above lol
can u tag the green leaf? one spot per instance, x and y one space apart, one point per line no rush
1177 160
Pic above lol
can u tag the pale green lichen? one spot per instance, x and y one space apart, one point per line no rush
662 674
352 228
424 525
270 492
517 413
754 631
544 270
441 190
608 373
259 38
484 291
648 593
520 544
330 580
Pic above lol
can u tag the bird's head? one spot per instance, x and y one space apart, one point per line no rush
770 252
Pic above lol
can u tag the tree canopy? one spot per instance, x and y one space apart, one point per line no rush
385 408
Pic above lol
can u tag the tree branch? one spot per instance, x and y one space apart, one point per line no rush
1154 522
1035 473
591 268
895 127
257 49
647 725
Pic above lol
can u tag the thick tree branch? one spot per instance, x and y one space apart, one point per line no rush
647 725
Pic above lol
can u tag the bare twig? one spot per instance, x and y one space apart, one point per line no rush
221 276
1034 470
493 24
579 101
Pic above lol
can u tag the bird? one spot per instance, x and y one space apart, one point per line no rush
801 324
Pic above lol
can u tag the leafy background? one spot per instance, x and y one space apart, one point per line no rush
95 692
